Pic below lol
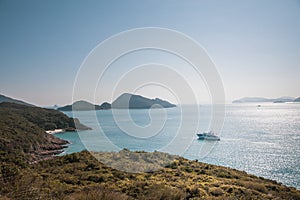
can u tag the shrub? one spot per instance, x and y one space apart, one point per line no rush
50 126
162 192
216 192
96 178
255 186
98 193
224 174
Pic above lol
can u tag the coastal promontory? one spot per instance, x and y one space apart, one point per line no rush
23 131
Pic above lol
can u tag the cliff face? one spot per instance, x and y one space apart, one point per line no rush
22 131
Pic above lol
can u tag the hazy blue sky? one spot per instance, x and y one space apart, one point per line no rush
254 44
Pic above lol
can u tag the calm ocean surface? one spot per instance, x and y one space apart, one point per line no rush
264 141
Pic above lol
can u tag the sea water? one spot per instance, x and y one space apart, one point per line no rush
261 140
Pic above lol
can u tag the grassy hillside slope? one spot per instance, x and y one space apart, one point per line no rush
81 176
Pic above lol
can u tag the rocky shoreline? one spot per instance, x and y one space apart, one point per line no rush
54 147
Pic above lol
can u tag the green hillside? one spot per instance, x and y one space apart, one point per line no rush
22 131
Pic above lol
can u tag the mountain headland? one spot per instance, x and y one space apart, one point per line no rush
23 131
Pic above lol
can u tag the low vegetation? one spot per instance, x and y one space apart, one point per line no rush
139 161
82 176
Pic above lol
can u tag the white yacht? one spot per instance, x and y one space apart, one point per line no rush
208 136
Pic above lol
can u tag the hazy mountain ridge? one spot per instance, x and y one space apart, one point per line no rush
262 99
82 106
12 100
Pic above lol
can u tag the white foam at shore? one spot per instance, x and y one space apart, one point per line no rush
55 131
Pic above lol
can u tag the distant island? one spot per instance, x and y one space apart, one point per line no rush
261 100
125 101
131 101
83 106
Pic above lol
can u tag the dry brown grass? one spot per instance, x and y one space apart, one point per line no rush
81 176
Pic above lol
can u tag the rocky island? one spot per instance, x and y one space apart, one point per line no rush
132 101
124 101
82 106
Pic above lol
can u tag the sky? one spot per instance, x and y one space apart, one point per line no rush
255 45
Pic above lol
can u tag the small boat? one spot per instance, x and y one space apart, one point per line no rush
208 136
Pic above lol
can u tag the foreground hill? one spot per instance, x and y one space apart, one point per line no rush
22 131
11 100
131 101
80 176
